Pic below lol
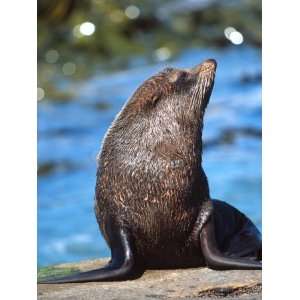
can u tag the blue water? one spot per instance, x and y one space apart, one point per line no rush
70 134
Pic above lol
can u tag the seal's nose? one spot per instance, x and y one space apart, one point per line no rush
207 65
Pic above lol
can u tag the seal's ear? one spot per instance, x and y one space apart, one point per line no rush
152 90
153 97
174 76
147 95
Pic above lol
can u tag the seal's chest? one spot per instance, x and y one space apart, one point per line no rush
164 238
164 221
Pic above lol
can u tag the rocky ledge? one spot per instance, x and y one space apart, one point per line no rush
196 283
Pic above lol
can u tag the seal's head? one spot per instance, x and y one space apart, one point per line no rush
167 108
178 93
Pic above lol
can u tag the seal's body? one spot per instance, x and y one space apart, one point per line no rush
152 198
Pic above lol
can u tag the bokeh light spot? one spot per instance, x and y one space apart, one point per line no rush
162 53
69 68
228 31
234 36
51 56
40 94
132 12
87 28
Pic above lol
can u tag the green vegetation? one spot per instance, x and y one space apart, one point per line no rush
118 31
51 272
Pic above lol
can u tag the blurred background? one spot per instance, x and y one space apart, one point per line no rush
92 55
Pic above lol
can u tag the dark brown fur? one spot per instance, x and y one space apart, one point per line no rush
150 177
152 199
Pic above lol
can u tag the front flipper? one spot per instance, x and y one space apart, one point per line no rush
205 214
214 258
121 266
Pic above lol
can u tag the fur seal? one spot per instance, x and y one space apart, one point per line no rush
152 199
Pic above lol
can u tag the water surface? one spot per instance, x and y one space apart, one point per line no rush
70 134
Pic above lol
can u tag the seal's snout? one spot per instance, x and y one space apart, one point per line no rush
207 66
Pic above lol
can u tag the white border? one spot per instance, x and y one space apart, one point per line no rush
18 150
281 151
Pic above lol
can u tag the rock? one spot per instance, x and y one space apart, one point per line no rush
194 283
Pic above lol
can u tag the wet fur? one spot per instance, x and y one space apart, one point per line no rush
150 176
152 200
